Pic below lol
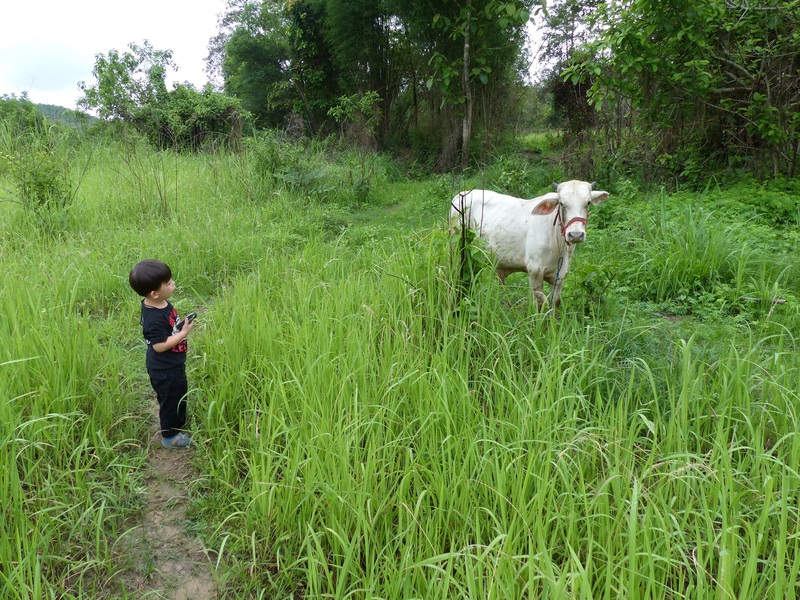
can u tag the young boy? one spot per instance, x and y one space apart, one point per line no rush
166 347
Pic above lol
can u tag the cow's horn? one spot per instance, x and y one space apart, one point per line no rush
555 186
592 184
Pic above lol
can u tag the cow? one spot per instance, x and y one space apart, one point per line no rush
536 236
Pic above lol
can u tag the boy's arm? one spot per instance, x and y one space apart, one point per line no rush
175 339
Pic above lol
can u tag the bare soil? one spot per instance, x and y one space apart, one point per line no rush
166 560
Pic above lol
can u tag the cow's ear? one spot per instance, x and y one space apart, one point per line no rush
598 197
545 207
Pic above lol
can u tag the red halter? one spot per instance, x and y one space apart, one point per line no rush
560 221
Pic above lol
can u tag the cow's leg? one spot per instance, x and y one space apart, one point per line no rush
536 278
556 293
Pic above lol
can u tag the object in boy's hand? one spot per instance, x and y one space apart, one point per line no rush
179 323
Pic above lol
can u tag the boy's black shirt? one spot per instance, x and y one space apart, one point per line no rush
157 325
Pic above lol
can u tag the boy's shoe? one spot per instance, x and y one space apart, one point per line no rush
177 441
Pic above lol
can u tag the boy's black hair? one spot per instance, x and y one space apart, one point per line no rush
148 275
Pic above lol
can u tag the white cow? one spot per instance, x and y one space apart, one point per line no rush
536 236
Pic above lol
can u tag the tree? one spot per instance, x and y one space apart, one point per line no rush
361 34
355 48
564 28
131 88
485 31
255 67
713 82
314 74
20 114
127 82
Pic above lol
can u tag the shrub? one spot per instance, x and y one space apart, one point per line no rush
38 162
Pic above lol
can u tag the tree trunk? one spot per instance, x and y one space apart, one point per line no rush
466 131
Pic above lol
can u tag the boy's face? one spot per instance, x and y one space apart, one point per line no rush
165 291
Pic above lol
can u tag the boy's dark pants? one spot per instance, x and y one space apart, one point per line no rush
171 388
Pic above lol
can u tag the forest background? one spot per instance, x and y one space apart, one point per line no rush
661 93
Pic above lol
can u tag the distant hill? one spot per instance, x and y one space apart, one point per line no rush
59 113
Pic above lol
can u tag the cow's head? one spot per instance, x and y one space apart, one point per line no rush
571 203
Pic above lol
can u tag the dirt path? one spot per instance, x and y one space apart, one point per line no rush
167 561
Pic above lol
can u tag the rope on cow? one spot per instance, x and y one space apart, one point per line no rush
557 279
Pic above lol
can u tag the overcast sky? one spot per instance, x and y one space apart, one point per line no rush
48 46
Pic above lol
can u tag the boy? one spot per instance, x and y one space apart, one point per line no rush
166 347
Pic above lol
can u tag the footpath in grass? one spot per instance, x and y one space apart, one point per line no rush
162 555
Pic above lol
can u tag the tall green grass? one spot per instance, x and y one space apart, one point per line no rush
374 445
359 435
69 437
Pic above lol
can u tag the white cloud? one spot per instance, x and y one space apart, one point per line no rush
48 46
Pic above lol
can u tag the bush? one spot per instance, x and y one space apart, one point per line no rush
319 170
20 114
37 160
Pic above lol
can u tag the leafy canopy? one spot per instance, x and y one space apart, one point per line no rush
131 88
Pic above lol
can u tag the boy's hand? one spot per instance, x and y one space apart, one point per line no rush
188 326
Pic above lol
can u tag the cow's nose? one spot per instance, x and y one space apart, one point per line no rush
575 236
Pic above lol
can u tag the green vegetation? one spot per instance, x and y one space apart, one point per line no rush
361 433
131 90
373 418
677 91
